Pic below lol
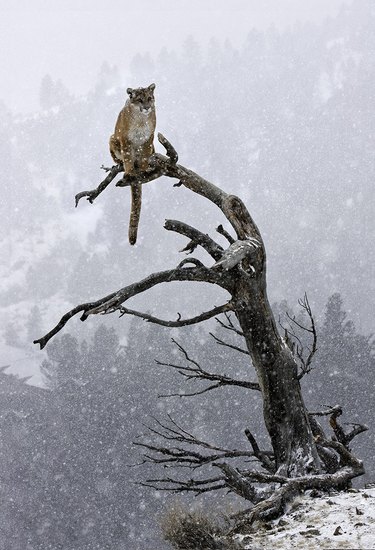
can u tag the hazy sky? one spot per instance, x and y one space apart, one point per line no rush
70 39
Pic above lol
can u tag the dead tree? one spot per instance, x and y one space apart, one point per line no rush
294 462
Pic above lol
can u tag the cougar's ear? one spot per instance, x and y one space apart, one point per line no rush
129 91
151 87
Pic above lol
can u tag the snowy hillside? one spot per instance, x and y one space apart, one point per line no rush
343 520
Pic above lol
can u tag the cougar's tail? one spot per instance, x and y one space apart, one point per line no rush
135 213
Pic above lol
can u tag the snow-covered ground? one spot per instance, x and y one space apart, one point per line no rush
343 520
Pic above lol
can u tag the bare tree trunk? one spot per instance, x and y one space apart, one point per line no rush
284 411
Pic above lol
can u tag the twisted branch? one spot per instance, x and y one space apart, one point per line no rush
114 301
91 195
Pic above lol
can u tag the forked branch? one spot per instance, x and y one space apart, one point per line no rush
91 195
113 302
293 337
229 325
192 371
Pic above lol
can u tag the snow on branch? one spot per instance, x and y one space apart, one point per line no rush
237 252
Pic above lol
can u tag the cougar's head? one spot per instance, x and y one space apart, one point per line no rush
143 98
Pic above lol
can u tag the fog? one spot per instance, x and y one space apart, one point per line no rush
71 39
272 101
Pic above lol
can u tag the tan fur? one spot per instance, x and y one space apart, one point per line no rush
132 144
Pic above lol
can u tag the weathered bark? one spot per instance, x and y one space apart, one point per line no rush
284 411
241 270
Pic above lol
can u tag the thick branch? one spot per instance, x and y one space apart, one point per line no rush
347 458
358 429
170 150
340 434
324 447
327 456
275 505
196 237
195 274
237 483
65 318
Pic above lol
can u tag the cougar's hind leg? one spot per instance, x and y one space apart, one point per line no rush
128 160
115 149
147 151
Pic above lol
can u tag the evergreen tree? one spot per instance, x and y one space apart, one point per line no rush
345 355
344 373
